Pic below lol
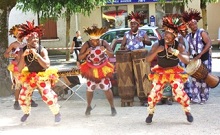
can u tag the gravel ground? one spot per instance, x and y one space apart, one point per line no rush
168 119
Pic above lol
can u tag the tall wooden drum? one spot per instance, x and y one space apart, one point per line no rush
125 77
141 71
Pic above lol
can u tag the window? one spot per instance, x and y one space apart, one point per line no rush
145 9
50 29
168 8
114 16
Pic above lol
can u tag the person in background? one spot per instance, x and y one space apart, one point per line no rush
97 69
77 42
200 47
13 51
169 52
36 73
135 40
182 39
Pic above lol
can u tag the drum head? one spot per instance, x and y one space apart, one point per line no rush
193 66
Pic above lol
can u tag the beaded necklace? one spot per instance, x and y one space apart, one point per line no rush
169 56
30 57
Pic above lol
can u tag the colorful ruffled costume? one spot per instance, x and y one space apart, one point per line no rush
168 74
168 70
96 73
34 76
97 67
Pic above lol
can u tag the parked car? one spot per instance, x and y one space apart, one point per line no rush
153 33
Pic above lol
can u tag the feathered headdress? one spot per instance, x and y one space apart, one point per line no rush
29 29
174 23
136 17
14 30
191 16
94 32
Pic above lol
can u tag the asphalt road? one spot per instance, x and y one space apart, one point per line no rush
168 119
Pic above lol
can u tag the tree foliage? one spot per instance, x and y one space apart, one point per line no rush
59 8
203 4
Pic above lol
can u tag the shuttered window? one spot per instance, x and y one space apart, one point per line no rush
50 29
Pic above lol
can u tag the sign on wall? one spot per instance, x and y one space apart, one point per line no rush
120 21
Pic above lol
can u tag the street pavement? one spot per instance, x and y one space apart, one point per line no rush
168 119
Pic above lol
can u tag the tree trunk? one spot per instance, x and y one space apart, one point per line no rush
67 34
204 14
5 80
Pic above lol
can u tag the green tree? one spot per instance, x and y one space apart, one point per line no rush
203 5
45 9
5 82
60 8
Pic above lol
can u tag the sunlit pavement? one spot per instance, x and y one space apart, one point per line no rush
168 120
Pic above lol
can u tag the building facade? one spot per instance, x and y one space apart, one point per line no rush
115 16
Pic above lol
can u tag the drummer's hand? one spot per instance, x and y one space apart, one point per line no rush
160 48
197 57
123 48
141 39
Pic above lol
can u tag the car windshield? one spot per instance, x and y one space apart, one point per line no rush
153 32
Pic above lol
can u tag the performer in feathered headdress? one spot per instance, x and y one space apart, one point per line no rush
135 38
35 72
200 44
169 52
13 51
97 69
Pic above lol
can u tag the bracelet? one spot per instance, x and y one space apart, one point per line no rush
175 52
36 56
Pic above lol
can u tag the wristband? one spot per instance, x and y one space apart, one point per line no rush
175 52
36 56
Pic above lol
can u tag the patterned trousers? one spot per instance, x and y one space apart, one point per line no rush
48 96
177 91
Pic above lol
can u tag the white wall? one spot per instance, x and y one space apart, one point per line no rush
17 17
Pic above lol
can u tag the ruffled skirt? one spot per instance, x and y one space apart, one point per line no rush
33 77
96 73
168 74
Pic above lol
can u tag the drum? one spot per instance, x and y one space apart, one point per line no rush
125 77
141 71
212 81
197 69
